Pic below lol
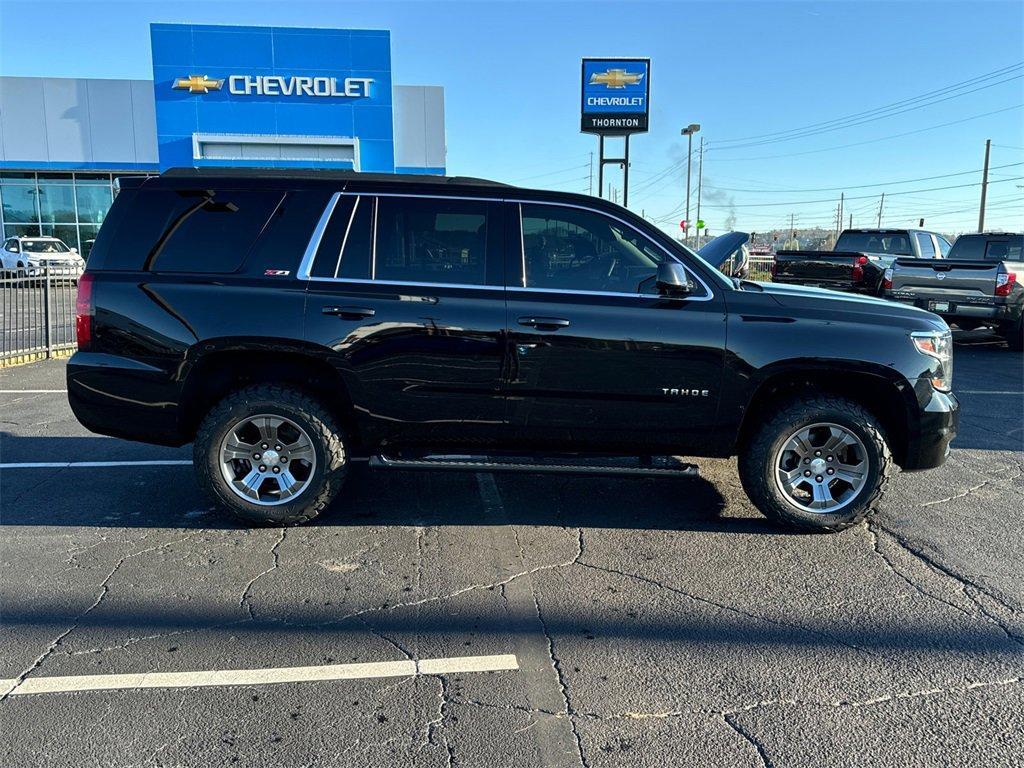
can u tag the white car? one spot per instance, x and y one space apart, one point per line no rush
32 256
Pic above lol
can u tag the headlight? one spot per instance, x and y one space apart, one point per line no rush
937 345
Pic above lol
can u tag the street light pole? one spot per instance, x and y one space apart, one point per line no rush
700 179
984 187
688 132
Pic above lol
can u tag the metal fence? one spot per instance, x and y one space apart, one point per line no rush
37 315
761 268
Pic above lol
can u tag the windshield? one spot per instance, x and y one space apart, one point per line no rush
895 243
44 246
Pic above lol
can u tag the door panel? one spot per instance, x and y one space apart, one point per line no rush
424 367
416 320
624 374
595 364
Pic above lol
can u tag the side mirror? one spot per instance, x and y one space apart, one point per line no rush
672 279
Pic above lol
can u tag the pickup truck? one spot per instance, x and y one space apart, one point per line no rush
980 283
859 259
290 324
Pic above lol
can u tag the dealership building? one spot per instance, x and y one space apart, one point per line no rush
220 96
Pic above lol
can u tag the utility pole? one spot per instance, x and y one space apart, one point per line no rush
984 187
591 182
700 179
688 132
851 222
880 204
842 200
792 228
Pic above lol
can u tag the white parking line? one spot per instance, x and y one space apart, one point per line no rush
32 391
73 464
203 679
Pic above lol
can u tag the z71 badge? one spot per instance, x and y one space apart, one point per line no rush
277 272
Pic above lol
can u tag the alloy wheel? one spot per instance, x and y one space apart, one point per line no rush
821 468
267 459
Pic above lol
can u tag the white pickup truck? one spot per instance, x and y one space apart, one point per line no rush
980 283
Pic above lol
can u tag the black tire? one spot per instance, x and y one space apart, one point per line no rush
757 463
326 479
1015 335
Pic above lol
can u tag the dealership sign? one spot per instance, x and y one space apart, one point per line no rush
279 85
615 96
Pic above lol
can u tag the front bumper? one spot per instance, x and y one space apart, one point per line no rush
938 422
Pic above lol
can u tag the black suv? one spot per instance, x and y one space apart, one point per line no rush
291 323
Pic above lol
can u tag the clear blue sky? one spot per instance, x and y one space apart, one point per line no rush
511 74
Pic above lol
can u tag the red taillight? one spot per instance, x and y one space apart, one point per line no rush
1004 283
85 309
858 268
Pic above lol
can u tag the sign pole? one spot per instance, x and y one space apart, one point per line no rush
600 166
625 176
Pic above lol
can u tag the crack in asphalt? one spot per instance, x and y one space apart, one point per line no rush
243 600
943 569
762 755
104 590
556 664
727 607
436 735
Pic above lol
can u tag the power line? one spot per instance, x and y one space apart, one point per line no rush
551 173
863 186
864 197
829 125
869 141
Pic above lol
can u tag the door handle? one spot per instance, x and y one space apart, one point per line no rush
544 323
350 313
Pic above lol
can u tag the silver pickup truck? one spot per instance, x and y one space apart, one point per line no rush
980 283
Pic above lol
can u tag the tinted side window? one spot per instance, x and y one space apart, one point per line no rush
431 240
214 234
1003 250
971 247
574 249
924 243
286 236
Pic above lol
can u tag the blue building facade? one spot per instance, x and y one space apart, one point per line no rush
273 96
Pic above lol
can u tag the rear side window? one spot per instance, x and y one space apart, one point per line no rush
183 230
213 234
284 239
970 247
1004 250
431 240
924 243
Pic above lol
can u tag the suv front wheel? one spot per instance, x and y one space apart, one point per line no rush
820 464
271 455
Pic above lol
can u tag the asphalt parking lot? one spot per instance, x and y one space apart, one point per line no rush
626 622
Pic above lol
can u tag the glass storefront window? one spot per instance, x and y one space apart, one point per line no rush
19 202
16 230
93 201
87 237
56 203
70 206
66 232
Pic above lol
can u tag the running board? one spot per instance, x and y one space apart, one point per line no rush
662 466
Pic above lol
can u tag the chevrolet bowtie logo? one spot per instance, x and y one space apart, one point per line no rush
615 78
198 84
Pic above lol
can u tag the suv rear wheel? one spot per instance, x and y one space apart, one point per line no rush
271 455
818 465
